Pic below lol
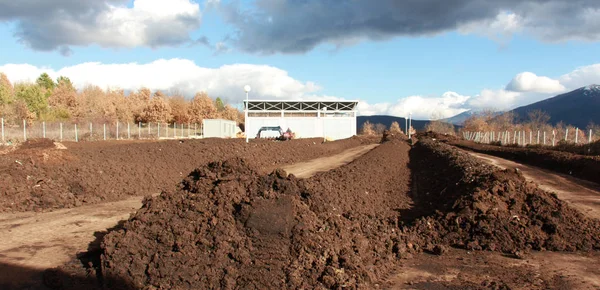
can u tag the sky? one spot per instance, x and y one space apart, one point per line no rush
431 58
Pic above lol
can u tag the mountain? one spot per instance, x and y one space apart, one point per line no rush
388 120
462 117
577 108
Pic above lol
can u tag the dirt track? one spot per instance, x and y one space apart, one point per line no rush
45 240
582 194
366 223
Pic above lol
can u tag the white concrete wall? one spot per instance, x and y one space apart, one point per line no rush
218 128
307 127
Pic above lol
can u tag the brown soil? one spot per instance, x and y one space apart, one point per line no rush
244 230
478 207
581 194
39 177
379 221
584 167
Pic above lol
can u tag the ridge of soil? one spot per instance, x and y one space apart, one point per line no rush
580 166
241 229
467 204
39 177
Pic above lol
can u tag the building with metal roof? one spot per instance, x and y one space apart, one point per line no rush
306 118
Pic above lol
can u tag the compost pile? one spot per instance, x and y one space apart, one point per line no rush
488 209
229 227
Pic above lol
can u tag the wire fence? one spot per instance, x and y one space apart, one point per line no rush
524 137
95 131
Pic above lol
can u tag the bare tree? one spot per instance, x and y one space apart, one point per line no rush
379 128
395 127
537 119
367 129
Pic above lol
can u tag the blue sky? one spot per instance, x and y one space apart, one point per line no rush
445 71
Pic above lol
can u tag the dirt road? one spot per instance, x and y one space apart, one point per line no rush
581 194
309 168
44 240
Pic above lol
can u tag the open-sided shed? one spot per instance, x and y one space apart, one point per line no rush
307 119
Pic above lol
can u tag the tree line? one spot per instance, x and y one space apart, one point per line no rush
537 120
58 100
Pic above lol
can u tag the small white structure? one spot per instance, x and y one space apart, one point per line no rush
307 119
219 128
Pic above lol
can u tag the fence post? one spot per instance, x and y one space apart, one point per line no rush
538 138
3 139
43 129
553 138
24 130
182 133
104 131
158 125
567 135
139 130
544 138
188 129
576 135
128 131
195 129
91 130
589 138
117 129
61 132
76 136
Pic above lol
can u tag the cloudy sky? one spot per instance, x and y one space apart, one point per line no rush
428 57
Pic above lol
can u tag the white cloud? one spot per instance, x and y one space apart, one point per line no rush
581 77
449 104
270 82
495 99
226 81
530 82
504 25
107 23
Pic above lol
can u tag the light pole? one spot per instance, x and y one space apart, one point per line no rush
324 124
247 89
409 123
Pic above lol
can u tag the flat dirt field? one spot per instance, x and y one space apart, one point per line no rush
360 213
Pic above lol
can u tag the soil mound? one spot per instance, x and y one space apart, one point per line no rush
227 227
494 210
38 143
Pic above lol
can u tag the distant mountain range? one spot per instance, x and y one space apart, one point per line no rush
577 108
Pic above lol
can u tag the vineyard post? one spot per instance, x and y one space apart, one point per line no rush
553 138
44 129
576 135
76 136
544 138
589 138
538 137
2 121
117 129
566 135
61 132
128 131
24 130
104 131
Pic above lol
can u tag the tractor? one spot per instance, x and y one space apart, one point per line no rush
275 133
